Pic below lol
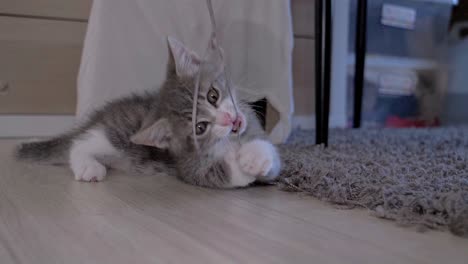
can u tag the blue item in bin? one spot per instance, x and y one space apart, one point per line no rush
400 106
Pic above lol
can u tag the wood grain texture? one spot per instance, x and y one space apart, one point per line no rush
304 76
303 15
69 9
40 61
46 217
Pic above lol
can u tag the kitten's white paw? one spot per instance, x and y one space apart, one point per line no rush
239 178
89 171
256 157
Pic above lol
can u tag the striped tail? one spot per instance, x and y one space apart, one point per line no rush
54 150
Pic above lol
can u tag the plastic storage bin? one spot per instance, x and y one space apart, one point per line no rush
455 110
406 45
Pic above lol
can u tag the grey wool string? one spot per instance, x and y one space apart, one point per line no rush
215 44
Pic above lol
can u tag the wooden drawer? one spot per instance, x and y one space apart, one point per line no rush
72 9
304 76
39 59
303 15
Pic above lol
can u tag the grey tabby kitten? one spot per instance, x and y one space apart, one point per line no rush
152 133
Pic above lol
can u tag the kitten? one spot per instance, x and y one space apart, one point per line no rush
152 133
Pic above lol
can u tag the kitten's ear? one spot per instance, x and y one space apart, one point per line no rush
186 61
157 135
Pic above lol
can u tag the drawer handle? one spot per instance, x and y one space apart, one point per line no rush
4 87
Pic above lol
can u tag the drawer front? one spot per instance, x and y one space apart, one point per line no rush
72 9
304 76
39 62
303 15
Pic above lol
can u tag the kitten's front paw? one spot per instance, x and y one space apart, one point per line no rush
257 157
89 171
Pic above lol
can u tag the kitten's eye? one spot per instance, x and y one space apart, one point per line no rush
201 128
213 96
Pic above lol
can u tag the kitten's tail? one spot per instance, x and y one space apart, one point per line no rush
52 151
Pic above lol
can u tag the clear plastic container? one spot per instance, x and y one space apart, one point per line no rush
406 45
455 109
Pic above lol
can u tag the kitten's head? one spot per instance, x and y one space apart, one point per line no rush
217 119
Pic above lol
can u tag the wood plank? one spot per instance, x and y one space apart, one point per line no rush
362 227
69 9
47 217
39 61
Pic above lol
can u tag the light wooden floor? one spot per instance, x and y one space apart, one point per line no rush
46 217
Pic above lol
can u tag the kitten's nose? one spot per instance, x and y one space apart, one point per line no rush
226 119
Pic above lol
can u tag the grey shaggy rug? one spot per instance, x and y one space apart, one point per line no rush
413 176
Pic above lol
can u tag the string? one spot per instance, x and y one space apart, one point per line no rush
214 43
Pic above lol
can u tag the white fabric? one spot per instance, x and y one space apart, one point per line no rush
126 48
